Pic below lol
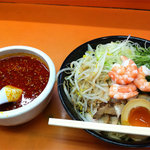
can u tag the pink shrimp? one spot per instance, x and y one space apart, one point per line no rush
117 91
125 73
141 81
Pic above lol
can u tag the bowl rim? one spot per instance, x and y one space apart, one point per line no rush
59 84
47 89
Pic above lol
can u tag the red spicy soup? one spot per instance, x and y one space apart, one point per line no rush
26 72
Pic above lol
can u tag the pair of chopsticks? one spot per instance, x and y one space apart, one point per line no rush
144 131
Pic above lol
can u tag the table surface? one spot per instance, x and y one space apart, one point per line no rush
132 4
57 30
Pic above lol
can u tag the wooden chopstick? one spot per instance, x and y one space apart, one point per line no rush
144 131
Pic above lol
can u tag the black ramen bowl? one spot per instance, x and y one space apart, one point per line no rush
78 53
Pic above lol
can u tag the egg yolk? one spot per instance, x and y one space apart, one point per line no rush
139 116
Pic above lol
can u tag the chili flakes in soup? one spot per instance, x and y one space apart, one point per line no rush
26 72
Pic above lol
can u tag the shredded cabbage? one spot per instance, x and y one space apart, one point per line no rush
114 51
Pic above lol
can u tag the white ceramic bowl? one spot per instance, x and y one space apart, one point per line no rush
31 110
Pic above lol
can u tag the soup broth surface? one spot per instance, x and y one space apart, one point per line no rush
26 72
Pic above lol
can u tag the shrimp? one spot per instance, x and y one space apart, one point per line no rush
117 91
125 73
141 81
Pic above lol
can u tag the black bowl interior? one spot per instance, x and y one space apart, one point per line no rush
78 53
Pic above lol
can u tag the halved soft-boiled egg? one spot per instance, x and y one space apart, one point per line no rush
136 113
